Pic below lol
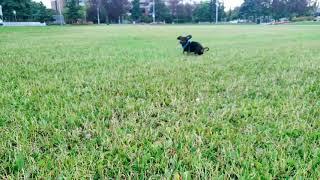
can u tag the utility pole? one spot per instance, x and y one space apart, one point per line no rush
15 14
1 14
60 13
154 12
98 10
85 14
98 14
217 9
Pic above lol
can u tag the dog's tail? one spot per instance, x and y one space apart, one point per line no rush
206 49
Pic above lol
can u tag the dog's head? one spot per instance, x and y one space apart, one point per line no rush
183 40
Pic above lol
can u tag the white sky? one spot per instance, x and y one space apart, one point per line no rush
45 2
232 3
228 3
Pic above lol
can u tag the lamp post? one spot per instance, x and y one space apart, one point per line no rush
1 14
154 12
217 11
98 15
98 10
15 14
60 12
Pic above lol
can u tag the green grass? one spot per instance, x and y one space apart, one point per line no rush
123 102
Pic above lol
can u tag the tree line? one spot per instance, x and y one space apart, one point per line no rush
175 11
25 10
170 11
113 11
253 9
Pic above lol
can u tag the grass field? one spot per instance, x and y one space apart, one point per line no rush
123 102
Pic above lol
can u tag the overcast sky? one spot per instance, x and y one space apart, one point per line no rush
228 3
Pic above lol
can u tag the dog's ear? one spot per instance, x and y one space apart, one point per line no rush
189 36
179 37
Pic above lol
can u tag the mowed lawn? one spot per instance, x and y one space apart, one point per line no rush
124 102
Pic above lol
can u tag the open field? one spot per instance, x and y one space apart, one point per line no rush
122 101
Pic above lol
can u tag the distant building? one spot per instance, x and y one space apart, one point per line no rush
145 6
62 3
58 19
318 12
57 4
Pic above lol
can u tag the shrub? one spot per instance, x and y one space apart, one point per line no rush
303 18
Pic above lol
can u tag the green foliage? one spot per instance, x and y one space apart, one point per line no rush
206 12
136 12
116 8
73 11
303 18
127 104
110 10
255 8
276 8
233 14
202 12
184 13
146 19
279 9
26 10
162 11
40 12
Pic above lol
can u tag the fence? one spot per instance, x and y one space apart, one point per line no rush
23 24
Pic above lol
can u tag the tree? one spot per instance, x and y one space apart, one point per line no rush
222 13
72 12
136 12
278 9
229 13
212 10
206 11
184 13
292 8
40 13
314 8
202 12
26 10
173 6
255 9
298 7
188 10
233 14
22 8
162 11
248 8
117 8
92 10
109 10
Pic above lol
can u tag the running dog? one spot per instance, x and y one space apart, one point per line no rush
191 47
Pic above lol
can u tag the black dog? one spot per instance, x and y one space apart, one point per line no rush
189 46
